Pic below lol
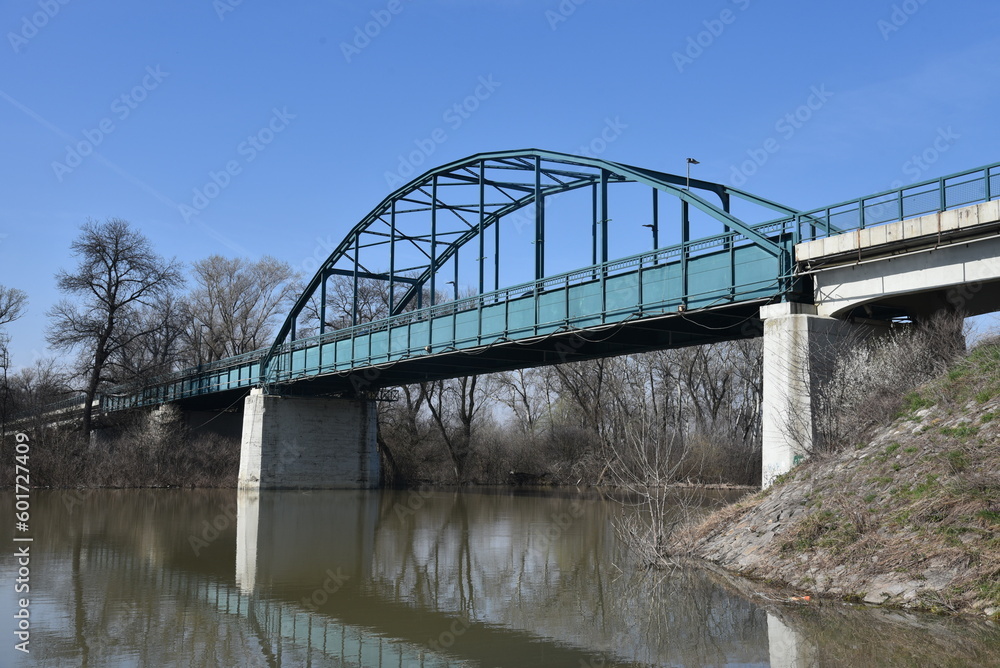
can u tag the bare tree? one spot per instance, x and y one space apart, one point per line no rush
235 305
455 406
522 391
118 273
646 466
160 349
400 431
12 305
584 384
34 386
372 301
867 377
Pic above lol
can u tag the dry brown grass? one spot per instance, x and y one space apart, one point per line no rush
134 453
686 537
920 503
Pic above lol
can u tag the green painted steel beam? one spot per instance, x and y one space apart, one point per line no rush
524 161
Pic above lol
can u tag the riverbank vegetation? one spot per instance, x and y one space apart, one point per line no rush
137 449
129 316
694 413
909 516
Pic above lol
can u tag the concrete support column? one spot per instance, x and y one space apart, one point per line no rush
799 352
306 443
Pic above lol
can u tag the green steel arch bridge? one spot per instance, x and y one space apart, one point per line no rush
727 253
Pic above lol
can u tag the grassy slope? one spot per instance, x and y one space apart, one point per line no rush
910 519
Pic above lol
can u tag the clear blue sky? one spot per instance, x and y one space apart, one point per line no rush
169 92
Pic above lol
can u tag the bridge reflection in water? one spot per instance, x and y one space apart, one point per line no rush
367 578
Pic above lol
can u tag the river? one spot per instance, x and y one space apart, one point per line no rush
477 577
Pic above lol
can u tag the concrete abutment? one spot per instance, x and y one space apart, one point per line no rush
308 443
800 348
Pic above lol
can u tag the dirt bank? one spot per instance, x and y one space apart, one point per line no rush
911 519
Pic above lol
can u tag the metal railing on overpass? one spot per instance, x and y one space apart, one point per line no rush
933 196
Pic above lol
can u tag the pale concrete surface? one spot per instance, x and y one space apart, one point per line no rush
953 269
307 443
798 353
952 254
788 648
946 223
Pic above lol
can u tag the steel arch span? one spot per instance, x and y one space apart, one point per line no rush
413 238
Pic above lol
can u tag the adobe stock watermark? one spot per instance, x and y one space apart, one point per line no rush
414 501
786 126
960 296
454 117
558 525
364 34
121 108
223 7
446 639
899 15
247 150
609 134
32 23
331 585
562 12
703 40
324 247
914 168
919 163
76 497
210 530
613 129
228 515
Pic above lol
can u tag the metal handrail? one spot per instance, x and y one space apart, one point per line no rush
574 277
894 203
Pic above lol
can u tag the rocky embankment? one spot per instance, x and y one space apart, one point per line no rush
911 519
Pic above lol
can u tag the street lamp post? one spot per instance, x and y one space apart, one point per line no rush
652 228
690 161
685 236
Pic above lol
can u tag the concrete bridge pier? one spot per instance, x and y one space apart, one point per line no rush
800 349
308 443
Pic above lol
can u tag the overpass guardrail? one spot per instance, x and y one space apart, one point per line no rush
973 186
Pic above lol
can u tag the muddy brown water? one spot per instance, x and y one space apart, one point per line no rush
476 577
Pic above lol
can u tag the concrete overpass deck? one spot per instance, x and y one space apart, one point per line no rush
912 268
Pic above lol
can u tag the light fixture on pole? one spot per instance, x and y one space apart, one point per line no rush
690 161
652 228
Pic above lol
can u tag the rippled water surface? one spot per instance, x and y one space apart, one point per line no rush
390 578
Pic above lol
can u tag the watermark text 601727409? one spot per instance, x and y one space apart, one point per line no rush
22 515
